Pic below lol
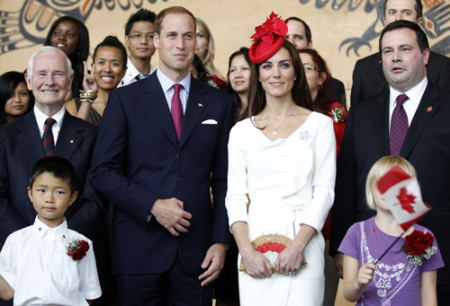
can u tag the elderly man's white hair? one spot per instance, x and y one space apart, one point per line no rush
48 49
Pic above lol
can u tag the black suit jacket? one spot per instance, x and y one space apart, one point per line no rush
138 159
20 148
426 146
339 90
369 80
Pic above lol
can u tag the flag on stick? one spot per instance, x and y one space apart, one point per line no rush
402 193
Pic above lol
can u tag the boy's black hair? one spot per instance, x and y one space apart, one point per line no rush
59 167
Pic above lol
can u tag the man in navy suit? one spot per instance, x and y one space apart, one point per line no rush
405 53
169 237
368 77
49 76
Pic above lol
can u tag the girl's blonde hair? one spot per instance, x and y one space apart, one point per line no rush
380 168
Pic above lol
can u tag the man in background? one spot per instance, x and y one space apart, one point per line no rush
139 32
368 77
299 34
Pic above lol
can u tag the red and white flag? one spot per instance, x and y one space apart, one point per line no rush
402 193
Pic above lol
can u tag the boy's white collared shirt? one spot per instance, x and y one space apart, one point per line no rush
35 264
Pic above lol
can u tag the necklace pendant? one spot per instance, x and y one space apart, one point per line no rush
274 133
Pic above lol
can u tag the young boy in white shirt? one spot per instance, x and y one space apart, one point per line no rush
47 263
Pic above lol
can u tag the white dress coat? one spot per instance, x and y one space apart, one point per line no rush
289 182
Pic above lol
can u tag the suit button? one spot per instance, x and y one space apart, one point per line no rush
180 179
178 155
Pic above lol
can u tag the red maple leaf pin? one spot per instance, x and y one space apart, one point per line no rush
406 200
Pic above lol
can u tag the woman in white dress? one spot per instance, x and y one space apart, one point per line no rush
281 177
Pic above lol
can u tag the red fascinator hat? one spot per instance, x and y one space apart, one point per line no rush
268 39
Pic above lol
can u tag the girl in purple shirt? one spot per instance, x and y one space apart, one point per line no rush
395 279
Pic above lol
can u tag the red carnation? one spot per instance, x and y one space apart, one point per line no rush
417 242
77 249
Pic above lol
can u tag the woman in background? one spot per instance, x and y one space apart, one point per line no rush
15 98
205 50
239 72
226 286
108 69
321 87
72 37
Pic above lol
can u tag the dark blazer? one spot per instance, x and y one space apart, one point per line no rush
339 90
20 148
369 80
137 159
426 146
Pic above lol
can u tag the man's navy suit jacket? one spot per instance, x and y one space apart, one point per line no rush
138 159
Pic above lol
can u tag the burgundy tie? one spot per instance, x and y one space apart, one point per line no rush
399 126
47 137
177 110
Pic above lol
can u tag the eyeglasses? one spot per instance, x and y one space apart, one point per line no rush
310 68
138 36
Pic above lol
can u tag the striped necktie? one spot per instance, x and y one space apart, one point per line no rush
47 138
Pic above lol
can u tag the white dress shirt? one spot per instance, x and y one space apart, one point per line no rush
56 127
132 74
167 86
414 96
34 263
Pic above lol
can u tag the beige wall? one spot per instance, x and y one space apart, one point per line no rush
232 23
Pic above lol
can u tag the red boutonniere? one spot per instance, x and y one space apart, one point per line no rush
266 31
338 112
216 82
419 246
77 249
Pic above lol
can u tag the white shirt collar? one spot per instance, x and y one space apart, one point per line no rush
414 94
167 83
41 117
132 73
41 228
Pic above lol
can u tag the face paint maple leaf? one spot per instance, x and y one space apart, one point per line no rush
406 200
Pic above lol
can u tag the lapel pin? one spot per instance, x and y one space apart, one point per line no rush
200 105
429 108
71 141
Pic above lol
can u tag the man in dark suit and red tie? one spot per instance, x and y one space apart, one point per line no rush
410 119
161 150
368 77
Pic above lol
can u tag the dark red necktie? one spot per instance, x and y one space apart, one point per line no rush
177 110
47 137
399 126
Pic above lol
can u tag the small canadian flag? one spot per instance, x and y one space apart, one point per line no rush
402 193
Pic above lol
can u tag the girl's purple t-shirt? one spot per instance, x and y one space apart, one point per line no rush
396 282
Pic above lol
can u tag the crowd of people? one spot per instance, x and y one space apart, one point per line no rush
128 184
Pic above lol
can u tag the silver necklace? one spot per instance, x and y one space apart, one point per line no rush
275 130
